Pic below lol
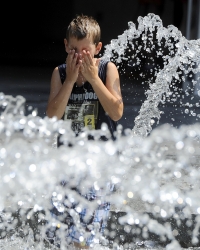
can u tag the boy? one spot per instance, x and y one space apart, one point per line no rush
85 80
85 90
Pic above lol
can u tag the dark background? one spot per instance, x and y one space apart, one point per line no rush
32 32
32 36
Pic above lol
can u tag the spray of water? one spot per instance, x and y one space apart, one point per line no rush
158 172
180 59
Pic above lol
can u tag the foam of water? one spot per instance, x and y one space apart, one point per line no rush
157 167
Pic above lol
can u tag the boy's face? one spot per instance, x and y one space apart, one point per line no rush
83 44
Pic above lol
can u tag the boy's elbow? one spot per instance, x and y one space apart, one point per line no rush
119 113
49 116
48 113
116 117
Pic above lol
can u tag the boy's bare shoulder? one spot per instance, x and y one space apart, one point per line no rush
111 65
55 72
55 78
111 68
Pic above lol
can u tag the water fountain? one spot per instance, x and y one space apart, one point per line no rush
155 172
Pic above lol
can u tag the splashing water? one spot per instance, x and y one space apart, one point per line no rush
178 54
156 177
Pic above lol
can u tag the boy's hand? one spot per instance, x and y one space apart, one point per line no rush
72 68
89 67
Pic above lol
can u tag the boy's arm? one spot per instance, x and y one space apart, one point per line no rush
109 94
60 93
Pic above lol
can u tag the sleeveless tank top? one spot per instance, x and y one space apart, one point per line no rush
84 107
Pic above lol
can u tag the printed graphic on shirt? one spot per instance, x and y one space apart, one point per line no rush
82 115
80 97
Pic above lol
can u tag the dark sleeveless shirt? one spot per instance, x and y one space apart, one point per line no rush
84 107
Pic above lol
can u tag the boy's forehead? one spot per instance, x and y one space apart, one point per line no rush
86 40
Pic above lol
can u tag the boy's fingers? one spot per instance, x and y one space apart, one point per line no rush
71 55
97 61
78 65
68 57
74 59
86 60
85 56
83 63
82 67
89 57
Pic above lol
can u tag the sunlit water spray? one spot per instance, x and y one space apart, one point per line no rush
157 169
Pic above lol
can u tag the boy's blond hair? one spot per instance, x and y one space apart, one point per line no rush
84 26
